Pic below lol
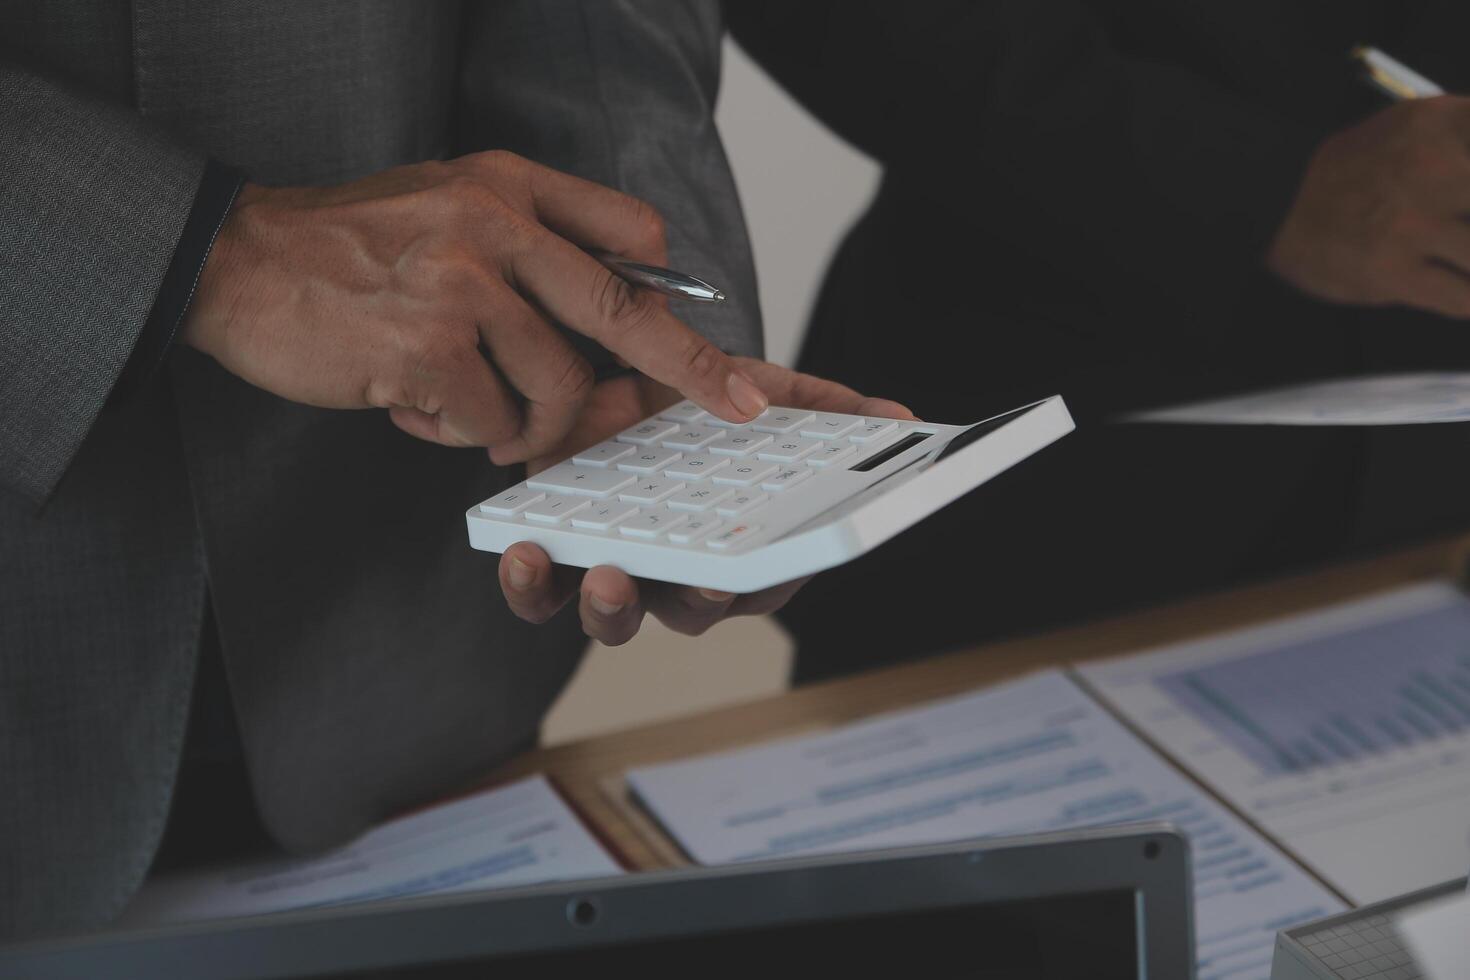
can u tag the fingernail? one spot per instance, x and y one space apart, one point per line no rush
602 607
715 596
521 575
749 400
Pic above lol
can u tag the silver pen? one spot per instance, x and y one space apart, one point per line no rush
659 279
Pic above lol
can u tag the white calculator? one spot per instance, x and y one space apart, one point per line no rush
687 497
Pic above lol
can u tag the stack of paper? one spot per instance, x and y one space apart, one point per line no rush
1389 399
1343 733
1038 754
520 834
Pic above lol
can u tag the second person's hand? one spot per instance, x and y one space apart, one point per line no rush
390 292
1381 214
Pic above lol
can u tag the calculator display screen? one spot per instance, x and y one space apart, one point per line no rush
903 445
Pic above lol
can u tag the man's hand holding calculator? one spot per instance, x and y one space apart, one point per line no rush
611 603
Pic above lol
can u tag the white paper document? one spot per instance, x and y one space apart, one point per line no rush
1038 754
519 834
1388 399
1439 938
1343 733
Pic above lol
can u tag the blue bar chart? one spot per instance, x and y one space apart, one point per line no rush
1337 699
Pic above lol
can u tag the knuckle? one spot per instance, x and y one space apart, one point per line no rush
650 229
703 359
503 159
472 195
454 274
428 355
617 302
575 382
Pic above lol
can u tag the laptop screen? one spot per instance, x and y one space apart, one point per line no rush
1053 938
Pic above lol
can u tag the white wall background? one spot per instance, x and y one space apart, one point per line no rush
801 188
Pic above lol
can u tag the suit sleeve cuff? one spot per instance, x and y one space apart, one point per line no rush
218 187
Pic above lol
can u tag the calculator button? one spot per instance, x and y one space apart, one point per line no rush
832 452
788 477
745 473
780 420
733 537
874 429
648 433
603 454
826 426
684 412
742 442
650 490
701 496
652 523
692 437
604 514
585 481
650 459
510 503
554 508
694 529
696 466
741 502
789 449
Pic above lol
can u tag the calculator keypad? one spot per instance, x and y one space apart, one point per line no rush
781 421
582 481
652 523
827 426
693 437
745 474
789 449
603 454
742 442
555 508
689 479
651 490
650 459
701 496
696 466
604 515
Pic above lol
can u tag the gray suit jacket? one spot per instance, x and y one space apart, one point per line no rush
371 659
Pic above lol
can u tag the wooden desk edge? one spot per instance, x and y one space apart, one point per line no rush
590 772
